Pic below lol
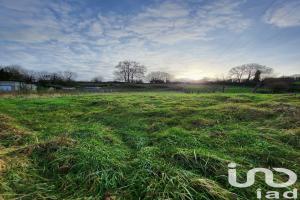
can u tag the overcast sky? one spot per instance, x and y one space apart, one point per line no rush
188 38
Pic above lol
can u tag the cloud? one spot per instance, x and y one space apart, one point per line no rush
165 22
172 21
167 9
57 35
95 29
284 15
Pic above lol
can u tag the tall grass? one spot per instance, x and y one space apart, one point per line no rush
143 145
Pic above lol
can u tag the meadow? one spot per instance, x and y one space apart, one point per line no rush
154 145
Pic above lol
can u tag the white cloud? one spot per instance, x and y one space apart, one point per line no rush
95 29
53 36
167 9
168 22
284 15
173 22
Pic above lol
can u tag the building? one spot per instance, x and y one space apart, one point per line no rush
14 86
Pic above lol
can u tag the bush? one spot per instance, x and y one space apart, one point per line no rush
277 85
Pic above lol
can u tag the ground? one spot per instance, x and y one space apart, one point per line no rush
162 145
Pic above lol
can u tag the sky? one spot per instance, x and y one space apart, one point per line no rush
187 38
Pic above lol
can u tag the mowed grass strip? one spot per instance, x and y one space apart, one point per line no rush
143 145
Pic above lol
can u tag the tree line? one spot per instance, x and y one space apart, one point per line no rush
260 76
17 73
249 72
127 71
134 72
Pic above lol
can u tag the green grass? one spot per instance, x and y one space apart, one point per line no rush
143 145
201 88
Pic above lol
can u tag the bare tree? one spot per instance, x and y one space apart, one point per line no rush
237 73
159 77
249 72
129 71
254 69
30 76
68 76
43 76
56 77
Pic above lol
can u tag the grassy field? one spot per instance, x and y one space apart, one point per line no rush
198 88
143 145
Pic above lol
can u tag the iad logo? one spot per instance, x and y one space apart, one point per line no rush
269 179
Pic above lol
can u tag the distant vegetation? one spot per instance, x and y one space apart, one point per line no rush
17 73
159 77
130 72
249 73
131 75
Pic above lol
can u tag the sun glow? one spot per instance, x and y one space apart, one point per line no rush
191 75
